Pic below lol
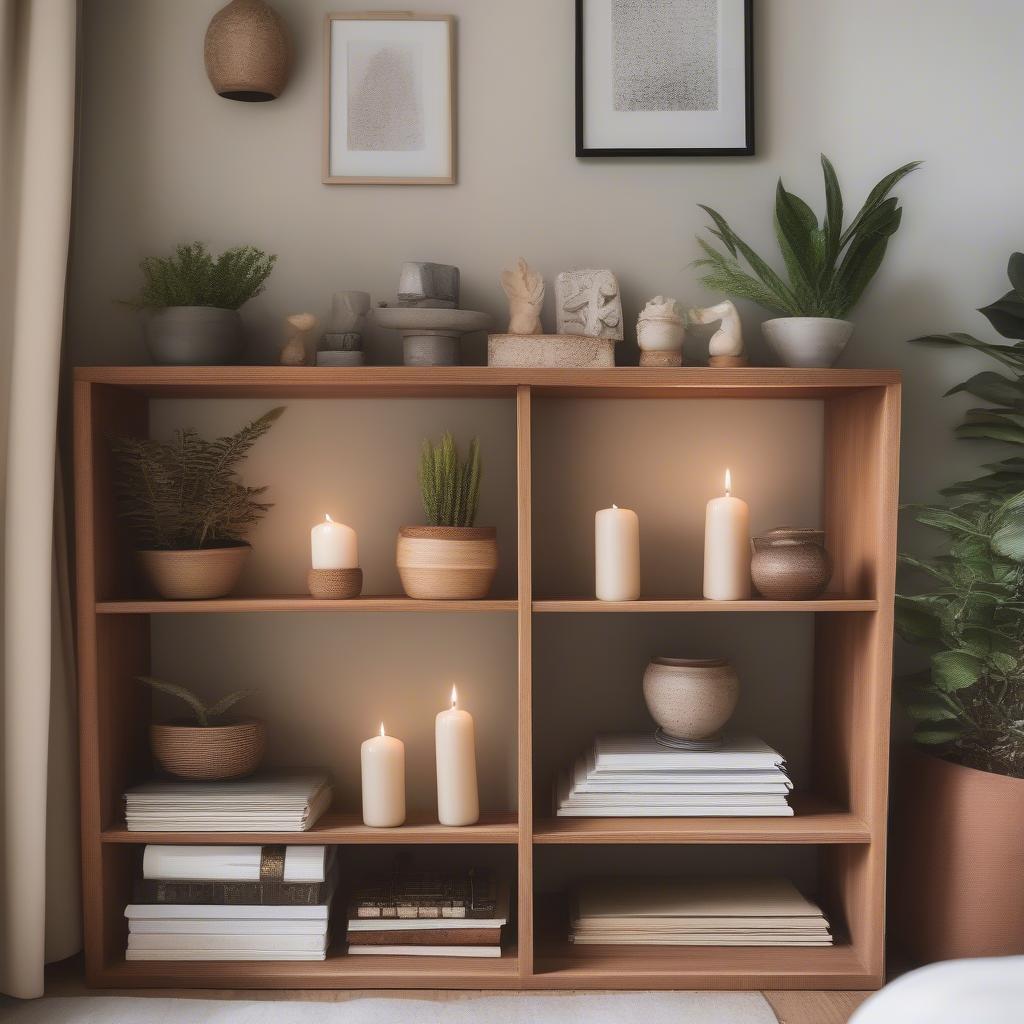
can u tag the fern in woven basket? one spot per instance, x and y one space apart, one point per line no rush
449 486
185 494
192 277
206 715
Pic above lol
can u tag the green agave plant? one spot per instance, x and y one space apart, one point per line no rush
968 705
828 267
449 486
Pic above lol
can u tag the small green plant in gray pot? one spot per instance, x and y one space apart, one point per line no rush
192 302
827 267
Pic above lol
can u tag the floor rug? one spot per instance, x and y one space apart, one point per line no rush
565 1008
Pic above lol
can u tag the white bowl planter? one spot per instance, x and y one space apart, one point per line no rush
807 341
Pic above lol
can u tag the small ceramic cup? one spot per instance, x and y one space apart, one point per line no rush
691 699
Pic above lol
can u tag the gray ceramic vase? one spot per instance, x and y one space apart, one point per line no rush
194 336
691 699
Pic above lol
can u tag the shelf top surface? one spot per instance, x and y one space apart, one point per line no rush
482 381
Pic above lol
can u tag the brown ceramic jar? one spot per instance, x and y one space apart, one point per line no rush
790 565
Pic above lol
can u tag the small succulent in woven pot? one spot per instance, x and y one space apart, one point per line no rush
449 558
187 509
206 748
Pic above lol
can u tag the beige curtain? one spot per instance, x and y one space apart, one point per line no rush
39 901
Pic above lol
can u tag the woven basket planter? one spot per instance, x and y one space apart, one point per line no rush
247 52
193 575
447 563
209 752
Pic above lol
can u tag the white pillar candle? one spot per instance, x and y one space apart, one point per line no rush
458 802
617 554
334 545
382 759
727 547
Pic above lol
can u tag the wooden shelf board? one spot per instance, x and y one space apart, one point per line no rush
335 827
481 381
296 603
563 965
825 604
815 821
339 970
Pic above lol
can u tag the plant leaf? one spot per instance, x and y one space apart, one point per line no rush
226 703
833 211
992 387
955 670
1015 272
933 737
1006 315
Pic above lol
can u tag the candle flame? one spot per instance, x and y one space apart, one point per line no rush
614 505
728 483
382 729
328 519
455 696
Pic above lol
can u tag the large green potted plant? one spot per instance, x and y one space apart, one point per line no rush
827 266
448 558
956 885
192 301
187 509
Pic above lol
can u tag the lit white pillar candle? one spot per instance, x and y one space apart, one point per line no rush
727 547
382 759
334 545
458 802
617 554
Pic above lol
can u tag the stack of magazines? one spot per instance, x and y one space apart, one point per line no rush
634 775
262 803
231 903
416 914
695 912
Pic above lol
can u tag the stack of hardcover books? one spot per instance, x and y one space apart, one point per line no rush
262 803
633 775
413 914
695 912
232 903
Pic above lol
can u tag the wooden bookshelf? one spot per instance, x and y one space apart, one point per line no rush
843 820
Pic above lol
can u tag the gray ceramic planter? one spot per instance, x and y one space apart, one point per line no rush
194 336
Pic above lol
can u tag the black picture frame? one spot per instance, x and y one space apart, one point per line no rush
747 149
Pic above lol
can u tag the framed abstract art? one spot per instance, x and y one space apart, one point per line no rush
389 99
664 78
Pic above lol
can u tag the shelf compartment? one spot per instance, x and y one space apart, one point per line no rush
814 822
337 828
338 971
297 603
825 604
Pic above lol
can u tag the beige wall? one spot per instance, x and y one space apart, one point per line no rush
872 84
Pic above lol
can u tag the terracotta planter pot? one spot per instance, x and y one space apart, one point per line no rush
447 563
210 752
955 877
193 575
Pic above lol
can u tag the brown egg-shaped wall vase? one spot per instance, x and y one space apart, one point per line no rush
248 53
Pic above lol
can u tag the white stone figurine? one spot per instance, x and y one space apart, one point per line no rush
726 345
660 333
525 291
297 346
587 302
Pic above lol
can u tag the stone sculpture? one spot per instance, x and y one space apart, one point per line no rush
587 302
343 340
525 291
296 347
726 345
660 333
429 285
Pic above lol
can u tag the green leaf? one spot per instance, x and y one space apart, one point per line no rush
1004 663
1008 539
1007 354
934 737
833 211
923 711
955 670
1006 315
1015 272
992 387
919 619
876 196
795 225
1008 432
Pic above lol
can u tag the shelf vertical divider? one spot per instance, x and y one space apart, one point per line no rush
524 516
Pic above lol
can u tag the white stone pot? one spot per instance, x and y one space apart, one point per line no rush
691 699
807 341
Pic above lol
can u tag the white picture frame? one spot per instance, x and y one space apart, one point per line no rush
389 99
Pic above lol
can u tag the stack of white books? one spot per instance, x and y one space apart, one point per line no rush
231 903
633 775
262 803
696 912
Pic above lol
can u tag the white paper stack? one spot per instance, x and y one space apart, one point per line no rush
263 803
632 775
169 932
696 912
